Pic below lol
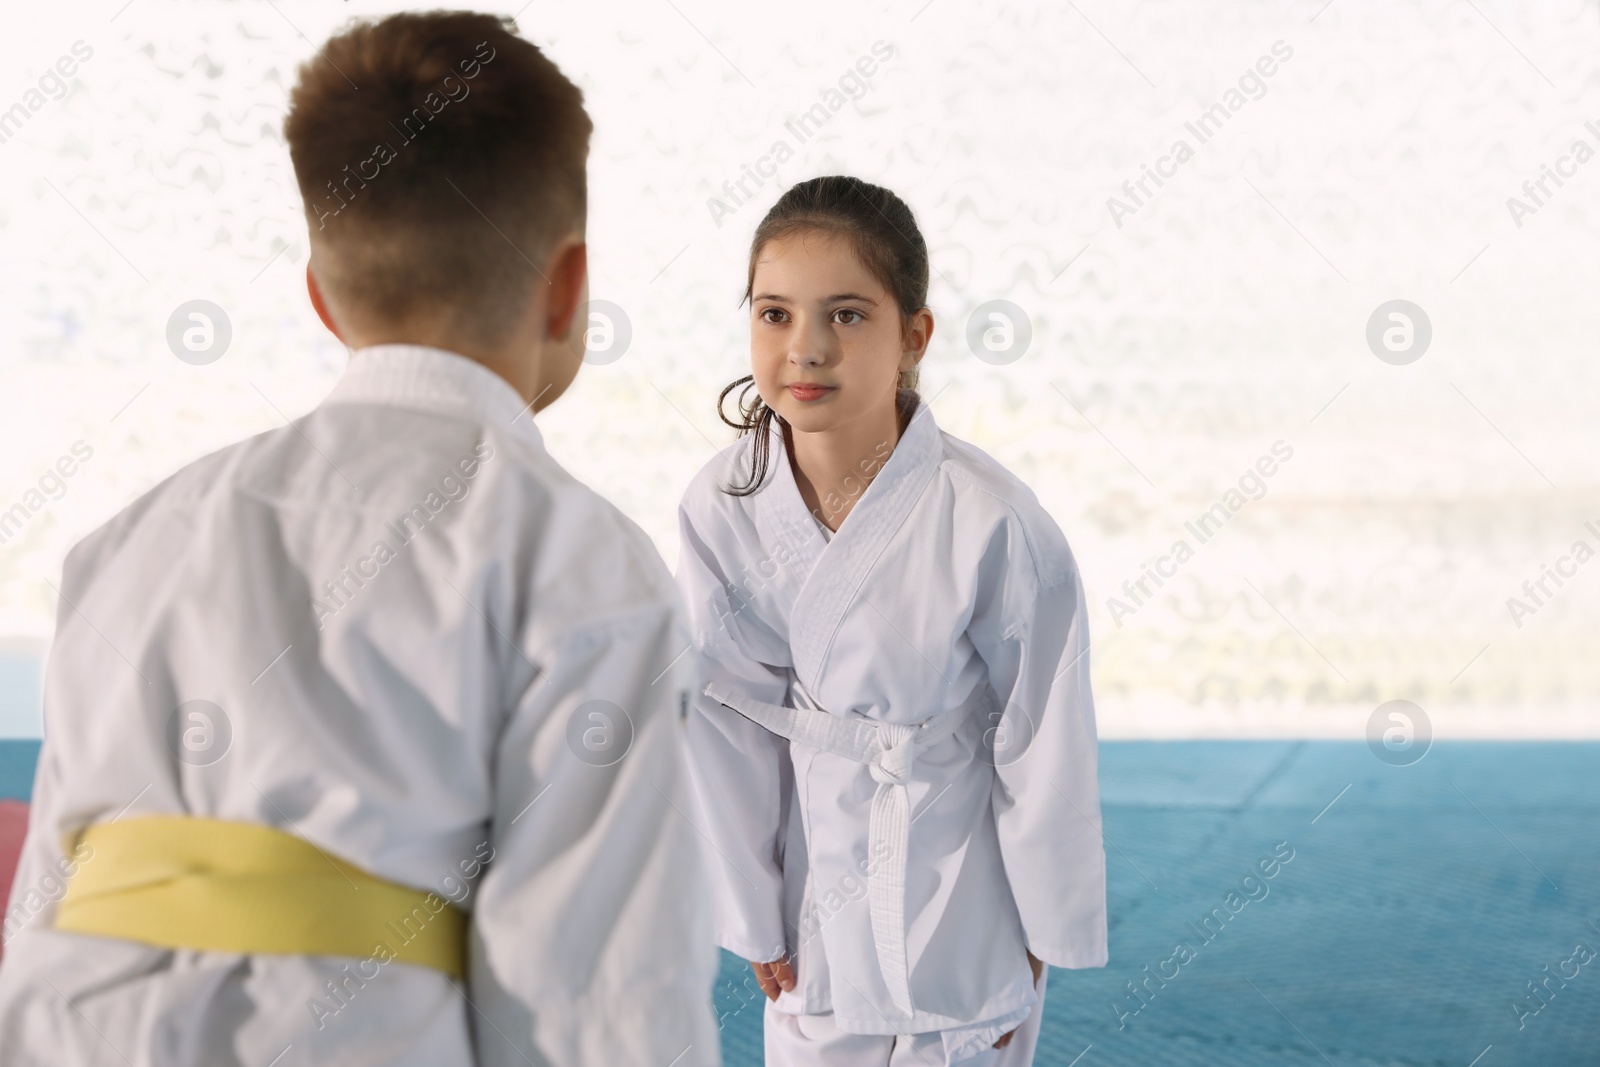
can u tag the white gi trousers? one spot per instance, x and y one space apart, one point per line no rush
813 1041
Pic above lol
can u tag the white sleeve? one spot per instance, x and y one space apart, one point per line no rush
737 766
1046 796
44 866
591 931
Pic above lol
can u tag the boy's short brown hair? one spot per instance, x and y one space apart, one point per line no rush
440 157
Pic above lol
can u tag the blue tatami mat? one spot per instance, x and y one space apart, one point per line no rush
17 761
1436 915
1419 904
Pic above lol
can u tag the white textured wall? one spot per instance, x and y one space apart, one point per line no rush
1168 353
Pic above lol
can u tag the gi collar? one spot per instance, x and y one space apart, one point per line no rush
433 379
833 570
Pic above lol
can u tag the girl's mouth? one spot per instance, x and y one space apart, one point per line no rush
805 391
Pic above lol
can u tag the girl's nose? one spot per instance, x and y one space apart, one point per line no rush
809 346
805 356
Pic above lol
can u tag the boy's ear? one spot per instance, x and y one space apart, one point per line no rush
569 270
318 303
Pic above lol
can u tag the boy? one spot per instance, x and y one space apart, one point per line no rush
363 735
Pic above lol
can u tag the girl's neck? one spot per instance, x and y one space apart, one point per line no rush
834 467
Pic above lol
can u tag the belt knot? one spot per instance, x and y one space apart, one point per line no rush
892 766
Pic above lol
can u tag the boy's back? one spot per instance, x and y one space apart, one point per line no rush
466 599
363 736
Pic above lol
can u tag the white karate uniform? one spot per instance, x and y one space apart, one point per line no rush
948 592
807 1040
413 711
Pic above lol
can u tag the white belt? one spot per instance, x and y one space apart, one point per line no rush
888 749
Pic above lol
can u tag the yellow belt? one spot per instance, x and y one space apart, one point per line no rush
184 882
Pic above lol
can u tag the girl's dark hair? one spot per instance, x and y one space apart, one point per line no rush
884 235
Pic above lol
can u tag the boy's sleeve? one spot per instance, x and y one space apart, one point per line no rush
44 866
735 765
1034 638
591 931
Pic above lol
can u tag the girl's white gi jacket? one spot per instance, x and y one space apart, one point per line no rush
947 585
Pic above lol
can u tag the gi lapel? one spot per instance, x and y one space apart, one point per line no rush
842 564
781 517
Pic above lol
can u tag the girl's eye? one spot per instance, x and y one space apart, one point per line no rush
849 311
772 315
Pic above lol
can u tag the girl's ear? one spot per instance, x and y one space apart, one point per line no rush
918 333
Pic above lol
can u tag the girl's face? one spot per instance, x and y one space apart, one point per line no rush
825 341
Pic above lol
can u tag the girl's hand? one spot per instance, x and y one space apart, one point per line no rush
1038 969
771 976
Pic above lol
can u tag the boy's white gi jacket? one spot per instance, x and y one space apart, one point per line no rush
946 587
422 645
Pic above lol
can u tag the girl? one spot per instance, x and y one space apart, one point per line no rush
894 752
